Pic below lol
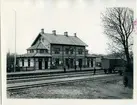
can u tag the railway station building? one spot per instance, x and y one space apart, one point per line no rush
52 50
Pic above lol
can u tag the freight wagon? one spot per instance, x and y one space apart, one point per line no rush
113 64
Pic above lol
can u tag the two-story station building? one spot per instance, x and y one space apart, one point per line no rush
52 50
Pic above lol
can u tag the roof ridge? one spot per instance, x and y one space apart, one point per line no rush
57 34
62 39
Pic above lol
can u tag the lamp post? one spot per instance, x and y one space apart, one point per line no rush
15 44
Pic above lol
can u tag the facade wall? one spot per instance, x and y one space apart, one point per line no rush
24 64
41 62
34 63
64 59
91 62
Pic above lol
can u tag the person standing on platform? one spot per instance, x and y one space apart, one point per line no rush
64 69
75 67
105 71
94 70
80 66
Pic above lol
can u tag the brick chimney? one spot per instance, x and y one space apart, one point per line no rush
66 33
42 30
54 32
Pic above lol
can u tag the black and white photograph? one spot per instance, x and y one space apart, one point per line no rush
68 49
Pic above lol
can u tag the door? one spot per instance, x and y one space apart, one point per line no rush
40 65
80 62
88 62
91 62
46 64
66 61
71 62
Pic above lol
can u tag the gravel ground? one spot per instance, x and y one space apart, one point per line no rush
99 88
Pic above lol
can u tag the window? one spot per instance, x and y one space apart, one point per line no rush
57 50
41 51
31 51
98 64
57 61
22 62
28 62
67 50
80 51
67 61
71 51
46 51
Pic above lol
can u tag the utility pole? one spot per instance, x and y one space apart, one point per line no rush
15 44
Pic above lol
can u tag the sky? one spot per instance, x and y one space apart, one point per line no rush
74 16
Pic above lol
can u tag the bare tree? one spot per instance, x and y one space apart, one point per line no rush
118 26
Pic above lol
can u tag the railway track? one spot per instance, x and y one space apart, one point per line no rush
45 78
15 88
42 75
30 81
36 75
49 75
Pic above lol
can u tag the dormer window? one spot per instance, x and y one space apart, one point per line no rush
31 51
41 51
46 51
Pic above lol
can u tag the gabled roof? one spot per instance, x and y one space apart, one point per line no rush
91 55
111 58
34 55
61 39
27 55
39 45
